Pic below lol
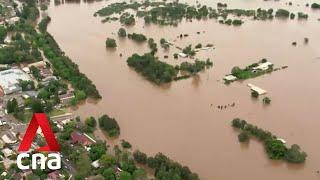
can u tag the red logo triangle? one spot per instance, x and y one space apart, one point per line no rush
39 120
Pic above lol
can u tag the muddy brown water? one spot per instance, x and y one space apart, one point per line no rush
178 119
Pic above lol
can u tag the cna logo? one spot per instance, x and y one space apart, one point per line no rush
53 159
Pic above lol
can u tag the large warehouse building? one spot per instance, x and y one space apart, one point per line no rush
9 80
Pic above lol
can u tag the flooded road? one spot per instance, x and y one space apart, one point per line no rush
179 119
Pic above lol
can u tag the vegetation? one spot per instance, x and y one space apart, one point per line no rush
196 67
243 137
127 19
254 94
63 66
125 144
189 51
274 147
26 49
282 13
164 167
137 37
3 33
44 24
266 100
172 13
152 46
151 68
110 125
111 43
20 49
164 43
315 6
26 85
302 15
122 32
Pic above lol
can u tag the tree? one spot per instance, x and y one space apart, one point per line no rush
3 33
108 174
110 125
315 6
80 95
137 37
97 150
12 106
266 100
282 13
122 32
295 155
254 94
243 137
154 70
91 121
37 106
35 72
83 166
125 144
198 46
275 149
140 157
111 43
107 161
125 176
139 174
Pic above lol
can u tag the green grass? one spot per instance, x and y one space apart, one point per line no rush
57 112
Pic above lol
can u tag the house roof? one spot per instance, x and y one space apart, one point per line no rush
80 138
230 78
54 175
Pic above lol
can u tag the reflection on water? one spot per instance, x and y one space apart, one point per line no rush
181 119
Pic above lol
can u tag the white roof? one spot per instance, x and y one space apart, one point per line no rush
96 164
264 65
257 89
230 78
7 152
182 55
282 140
6 139
26 69
2 122
9 78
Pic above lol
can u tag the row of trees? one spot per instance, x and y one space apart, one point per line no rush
195 67
172 13
275 148
164 167
64 67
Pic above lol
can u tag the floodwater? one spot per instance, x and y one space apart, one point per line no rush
178 119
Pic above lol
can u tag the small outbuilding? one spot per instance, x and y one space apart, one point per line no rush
230 78
257 89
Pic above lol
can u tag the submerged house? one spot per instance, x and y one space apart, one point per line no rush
263 66
257 89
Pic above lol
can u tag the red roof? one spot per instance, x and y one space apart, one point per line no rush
80 138
54 175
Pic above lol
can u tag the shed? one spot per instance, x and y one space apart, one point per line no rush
257 89
230 78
